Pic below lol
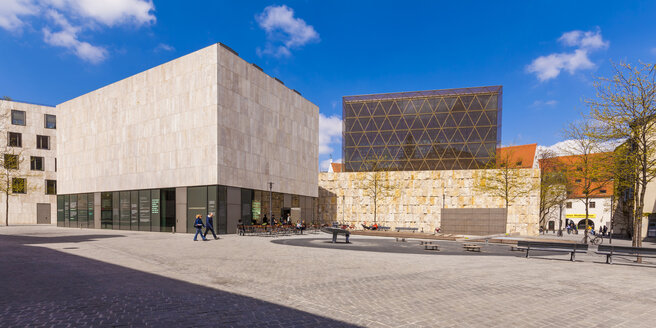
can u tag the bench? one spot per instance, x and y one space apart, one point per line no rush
398 229
610 250
472 247
571 248
384 228
400 239
428 245
337 231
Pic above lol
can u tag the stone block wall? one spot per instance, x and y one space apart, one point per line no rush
417 198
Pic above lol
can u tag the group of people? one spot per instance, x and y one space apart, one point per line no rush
265 220
571 227
208 225
371 227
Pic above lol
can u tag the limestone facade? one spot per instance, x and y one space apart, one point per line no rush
416 199
206 118
23 207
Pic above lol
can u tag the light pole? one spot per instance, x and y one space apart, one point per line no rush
610 235
343 205
270 205
560 220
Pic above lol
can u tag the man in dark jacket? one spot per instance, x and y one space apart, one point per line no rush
209 225
198 224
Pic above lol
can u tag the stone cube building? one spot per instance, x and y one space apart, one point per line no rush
207 132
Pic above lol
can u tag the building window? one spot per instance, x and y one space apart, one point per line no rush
51 187
568 205
591 205
602 191
578 180
42 142
51 121
55 164
15 139
11 162
36 163
18 185
17 117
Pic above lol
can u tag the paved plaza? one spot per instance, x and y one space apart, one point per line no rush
77 277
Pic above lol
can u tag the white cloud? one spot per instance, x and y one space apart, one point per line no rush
67 38
164 47
330 132
282 27
111 12
66 20
544 103
586 40
11 10
563 148
549 66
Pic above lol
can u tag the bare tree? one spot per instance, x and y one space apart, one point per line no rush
588 169
375 183
503 178
554 186
625 107
13 181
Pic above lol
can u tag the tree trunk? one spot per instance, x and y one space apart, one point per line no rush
585 233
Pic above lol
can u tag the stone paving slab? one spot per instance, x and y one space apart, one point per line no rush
53 276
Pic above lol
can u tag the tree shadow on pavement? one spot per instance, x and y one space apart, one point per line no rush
45 287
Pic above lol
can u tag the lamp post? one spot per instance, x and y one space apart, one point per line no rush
560 220
343 205
610 234
270 205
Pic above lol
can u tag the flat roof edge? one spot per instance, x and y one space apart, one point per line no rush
426 93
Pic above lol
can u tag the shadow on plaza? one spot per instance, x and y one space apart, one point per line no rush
390 245
41 286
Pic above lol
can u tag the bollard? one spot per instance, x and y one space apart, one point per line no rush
173 229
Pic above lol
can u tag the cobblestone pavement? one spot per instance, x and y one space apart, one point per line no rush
77 277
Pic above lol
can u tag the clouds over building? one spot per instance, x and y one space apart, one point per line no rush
284 31
66 23
584 43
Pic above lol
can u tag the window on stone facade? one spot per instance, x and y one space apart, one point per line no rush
15 139
36 163
51 187
18 185
17 117
591 205
42 142
51 121
11 162
568 205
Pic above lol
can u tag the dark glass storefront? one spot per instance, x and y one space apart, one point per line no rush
155 209
426 130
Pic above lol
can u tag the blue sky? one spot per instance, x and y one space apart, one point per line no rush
545 54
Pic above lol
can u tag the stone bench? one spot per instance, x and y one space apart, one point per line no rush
429 245
472 247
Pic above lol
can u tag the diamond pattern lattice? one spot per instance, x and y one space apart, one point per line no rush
426 130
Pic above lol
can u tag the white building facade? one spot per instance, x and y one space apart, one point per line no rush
29 133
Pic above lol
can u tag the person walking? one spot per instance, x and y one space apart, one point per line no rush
209 225
198 224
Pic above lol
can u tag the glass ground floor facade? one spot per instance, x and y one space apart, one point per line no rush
170 209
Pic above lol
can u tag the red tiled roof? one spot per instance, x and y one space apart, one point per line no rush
522 156
337 167
570 163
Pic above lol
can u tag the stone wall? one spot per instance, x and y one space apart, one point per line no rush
417 197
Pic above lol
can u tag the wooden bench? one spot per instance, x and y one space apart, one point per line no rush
610 250
398 229
400 239
384 228
571 248
429 245
337 231
472 247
